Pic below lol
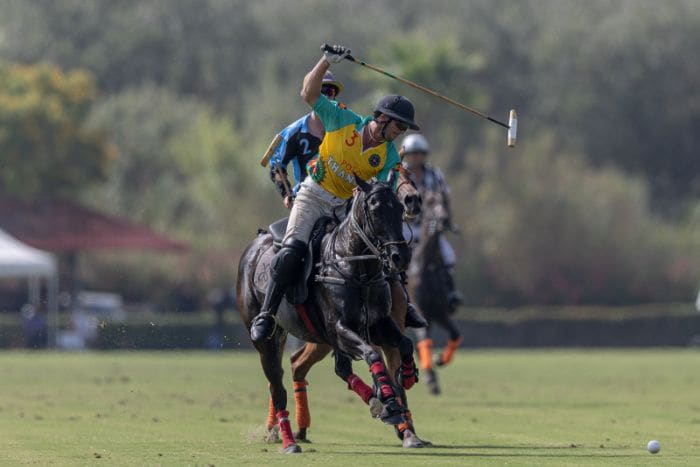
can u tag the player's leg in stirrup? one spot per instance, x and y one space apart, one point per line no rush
286 266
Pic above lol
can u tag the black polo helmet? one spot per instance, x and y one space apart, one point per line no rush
399 108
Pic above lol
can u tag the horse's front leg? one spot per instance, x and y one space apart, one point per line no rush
343 368
387 333
399 302
353 345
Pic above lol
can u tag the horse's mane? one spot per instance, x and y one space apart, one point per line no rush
359 196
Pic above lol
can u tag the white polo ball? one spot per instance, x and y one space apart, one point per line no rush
653 446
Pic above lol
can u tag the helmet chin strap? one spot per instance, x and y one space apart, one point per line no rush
383 132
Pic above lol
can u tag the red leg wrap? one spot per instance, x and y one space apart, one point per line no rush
377 368
356 384
285 429
302 404
380 376
408 374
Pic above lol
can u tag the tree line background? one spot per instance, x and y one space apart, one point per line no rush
160 110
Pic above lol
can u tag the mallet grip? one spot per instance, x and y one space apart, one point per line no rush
285 182
270 149
329 48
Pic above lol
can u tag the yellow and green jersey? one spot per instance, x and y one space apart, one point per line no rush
340 155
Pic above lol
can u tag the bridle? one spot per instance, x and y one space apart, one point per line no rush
406 181
379 251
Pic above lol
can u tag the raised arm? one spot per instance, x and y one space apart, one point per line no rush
311 87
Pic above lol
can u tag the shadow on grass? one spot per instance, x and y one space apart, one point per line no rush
484 446
429 451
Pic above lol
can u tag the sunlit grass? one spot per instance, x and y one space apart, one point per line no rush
515 408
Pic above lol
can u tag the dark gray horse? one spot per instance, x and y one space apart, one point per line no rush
429 290
311 353
348 305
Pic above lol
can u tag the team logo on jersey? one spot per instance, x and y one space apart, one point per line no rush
374 160
316 169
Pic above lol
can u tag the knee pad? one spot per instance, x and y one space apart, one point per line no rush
287 263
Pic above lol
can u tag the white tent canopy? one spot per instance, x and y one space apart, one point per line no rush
20 260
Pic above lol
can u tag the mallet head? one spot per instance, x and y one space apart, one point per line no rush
513 128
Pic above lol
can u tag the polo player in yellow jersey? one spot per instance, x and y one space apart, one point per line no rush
352 145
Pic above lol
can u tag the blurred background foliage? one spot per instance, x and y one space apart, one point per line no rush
160 110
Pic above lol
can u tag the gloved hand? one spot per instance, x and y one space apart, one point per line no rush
334 53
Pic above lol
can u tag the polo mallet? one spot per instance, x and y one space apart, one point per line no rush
512 125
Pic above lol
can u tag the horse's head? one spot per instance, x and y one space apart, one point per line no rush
379 214
435 216
407 192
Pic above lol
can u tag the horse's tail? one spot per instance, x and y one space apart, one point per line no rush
248 303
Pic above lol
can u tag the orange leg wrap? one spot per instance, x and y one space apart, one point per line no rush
449 352
407 424
425 353
302 404
271 416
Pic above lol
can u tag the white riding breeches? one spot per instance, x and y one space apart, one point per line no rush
311 203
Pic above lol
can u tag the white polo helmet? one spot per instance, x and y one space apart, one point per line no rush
415 142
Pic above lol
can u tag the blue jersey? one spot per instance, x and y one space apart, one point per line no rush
298 146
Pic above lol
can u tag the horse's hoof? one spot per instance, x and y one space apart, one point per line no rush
375 407
411 440
272 436
392 413
300 436
292 449
432 382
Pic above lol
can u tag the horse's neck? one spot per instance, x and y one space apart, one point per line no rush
428 249
348 242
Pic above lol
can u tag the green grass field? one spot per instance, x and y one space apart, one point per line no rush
497 408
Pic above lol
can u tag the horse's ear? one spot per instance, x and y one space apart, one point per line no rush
364 186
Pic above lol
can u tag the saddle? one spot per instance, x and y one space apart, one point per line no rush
299 293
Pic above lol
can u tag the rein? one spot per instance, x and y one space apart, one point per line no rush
377 255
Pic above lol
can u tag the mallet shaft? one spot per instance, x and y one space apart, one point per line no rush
421 88
429 91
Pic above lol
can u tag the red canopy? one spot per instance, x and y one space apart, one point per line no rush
63 226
